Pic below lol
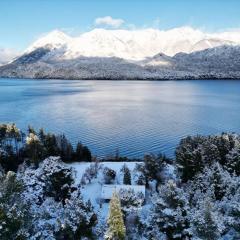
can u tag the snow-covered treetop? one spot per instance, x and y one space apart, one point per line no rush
32 138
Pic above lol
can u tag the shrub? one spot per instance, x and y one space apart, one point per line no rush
58 179
130 199
109 175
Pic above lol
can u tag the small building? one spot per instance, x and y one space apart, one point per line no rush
108 190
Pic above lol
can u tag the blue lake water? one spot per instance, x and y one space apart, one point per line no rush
135 117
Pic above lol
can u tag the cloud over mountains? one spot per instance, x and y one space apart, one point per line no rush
109 21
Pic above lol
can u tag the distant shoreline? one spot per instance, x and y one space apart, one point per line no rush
129 79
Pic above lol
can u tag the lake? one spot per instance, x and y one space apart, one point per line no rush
133 117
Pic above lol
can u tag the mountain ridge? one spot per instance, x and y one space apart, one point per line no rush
215 63
124 54
133 44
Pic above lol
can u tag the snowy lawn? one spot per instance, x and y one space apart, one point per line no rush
92 191
81 167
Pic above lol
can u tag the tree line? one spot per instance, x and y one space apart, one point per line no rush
34 146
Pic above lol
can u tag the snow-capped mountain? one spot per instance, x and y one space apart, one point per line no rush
211 43
54 39
181 53
132 44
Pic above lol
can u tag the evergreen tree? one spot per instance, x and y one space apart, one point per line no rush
41 135
82 153
234 211
13 134
153 167
206 224
224 143
15 219
79 219
189 157
116 228
51 146
65 147
79 152
233 161
210 153
3 132
86 154
139 176
194 153
59 184
31 130
49 142
169 212
214 182
219 182
126 175
10 137
34 149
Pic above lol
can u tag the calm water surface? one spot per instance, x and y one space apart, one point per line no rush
134 117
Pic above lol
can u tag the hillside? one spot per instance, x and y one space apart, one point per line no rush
180 53
214 63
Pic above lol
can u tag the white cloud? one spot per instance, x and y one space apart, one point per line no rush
7 55
109 21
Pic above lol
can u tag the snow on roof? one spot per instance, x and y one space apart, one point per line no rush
107 190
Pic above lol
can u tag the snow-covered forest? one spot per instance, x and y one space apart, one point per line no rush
51 189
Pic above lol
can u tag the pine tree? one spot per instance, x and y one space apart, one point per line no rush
82 153
116 228
13 134
189 157
206 224
169 212
34 149
153 167
50 144
126 175
15 218
233 161
219 183
65 148
42 135
31 130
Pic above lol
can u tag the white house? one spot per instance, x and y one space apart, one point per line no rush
107 190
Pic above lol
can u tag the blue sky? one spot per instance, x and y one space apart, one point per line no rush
23 21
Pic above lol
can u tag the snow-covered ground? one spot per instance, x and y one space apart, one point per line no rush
80 167
92 191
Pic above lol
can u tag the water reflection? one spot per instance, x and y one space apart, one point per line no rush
134 117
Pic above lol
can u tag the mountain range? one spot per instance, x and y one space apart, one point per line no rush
180 53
